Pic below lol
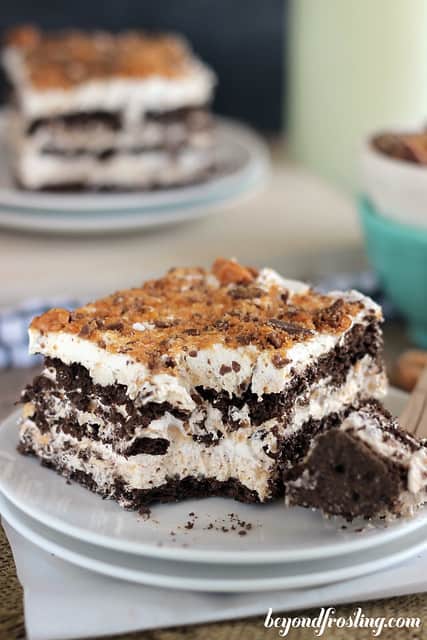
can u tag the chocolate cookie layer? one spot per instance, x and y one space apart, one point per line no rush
190 117
362 466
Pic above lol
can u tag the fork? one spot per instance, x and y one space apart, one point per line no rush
414 415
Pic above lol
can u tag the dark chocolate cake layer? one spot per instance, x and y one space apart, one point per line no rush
363 466
193 118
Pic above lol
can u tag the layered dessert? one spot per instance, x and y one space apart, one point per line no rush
103 111
200 383
364 466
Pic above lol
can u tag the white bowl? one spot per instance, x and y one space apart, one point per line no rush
396 188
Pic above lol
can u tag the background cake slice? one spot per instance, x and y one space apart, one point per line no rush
203 382
97 110
365 466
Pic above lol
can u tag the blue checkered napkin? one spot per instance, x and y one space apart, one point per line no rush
14 327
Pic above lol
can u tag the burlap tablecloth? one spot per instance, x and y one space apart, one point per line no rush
12 615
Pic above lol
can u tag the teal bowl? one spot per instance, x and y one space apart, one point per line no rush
398 253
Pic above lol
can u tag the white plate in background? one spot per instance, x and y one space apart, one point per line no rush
241 152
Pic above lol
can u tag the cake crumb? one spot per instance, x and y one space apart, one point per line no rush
145 512
231 522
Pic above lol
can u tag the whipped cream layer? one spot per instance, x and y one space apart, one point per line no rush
210 367
131 97
232 457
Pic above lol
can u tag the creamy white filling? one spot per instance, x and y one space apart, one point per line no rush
149 168
232 457
417 472
133 97
268 278
364 379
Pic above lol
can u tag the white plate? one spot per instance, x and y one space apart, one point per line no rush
217 577
238 148
113 222
277 534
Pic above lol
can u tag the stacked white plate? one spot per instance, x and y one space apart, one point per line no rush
241 157
281 549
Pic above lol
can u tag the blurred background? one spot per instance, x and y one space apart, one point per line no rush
241 40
